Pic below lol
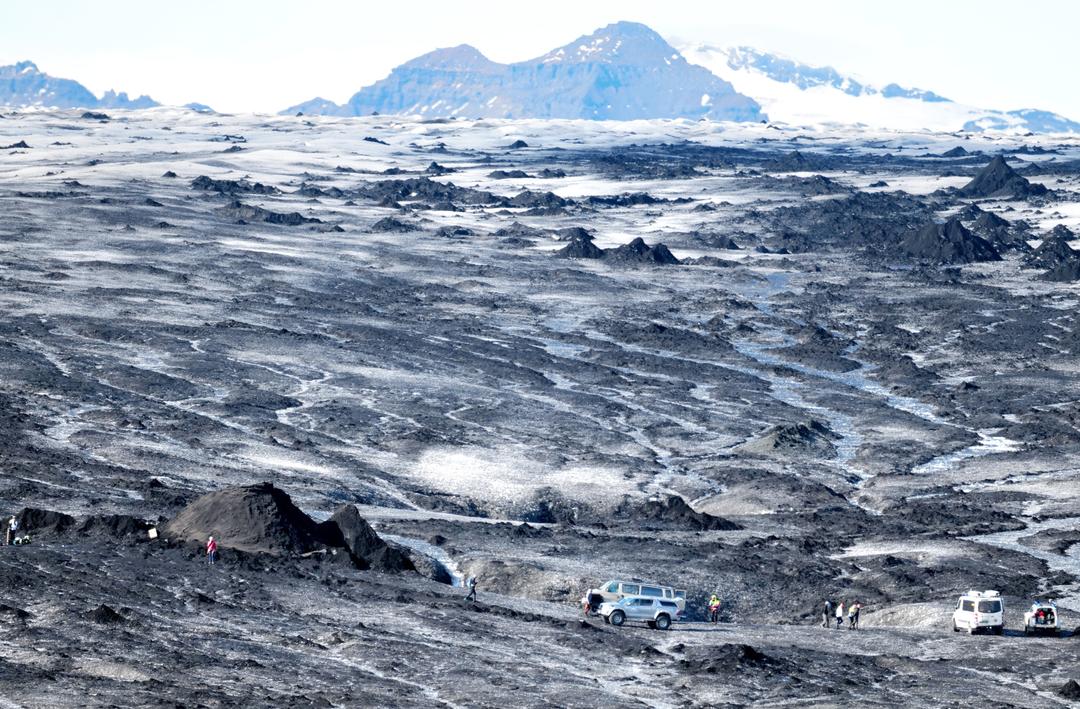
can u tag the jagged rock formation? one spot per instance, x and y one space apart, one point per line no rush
948 243
998 179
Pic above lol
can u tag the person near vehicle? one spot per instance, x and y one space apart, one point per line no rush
840 615
826 616
211 551
12 527
714 609
853 615
471 583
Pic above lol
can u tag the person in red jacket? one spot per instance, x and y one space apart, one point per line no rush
211 551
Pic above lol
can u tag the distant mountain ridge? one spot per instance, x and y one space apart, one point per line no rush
623 71
801 94
23 84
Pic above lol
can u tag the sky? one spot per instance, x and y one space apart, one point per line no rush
243 55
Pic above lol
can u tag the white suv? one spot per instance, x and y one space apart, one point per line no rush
655 612
612 591
979 610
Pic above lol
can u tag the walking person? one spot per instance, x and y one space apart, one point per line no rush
840 615
853 616
211 552
826 616
714 609
471 583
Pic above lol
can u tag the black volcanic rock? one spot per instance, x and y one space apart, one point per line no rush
580 248
999 180
957 152
254 518
250 213
393 224
673 511
508 175
202 182
637 251
348 529
1054 250
948 243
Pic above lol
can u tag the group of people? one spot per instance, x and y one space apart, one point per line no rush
839 612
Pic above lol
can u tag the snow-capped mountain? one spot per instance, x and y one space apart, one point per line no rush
620 72
23 84
799 94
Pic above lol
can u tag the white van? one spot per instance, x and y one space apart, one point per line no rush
979 610
612 591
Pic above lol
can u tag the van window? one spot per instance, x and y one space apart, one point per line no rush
680 594
989 606
612 587
967 606
652 591
630 589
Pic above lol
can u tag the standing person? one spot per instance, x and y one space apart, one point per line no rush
840 614
853 616
472 589
826 616
211 551
13 526
714 608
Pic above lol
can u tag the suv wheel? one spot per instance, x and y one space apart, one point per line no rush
617 617
662 622
954 628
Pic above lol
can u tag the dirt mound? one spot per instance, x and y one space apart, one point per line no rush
674 511
105 615
638 252
948 243
580 248
393 225
1070 690
202 182
999 180
249 213
254 518
348 529
508 175
115 526
726 658
794 161
810 437
1054 250
32 520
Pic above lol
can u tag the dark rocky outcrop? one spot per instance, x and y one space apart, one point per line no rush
998 179
798 438
948 243
249 213
202 182
346 528
580 248
394 225
253 518
638 252
673 511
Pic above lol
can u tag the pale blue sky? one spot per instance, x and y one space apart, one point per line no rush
241 55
